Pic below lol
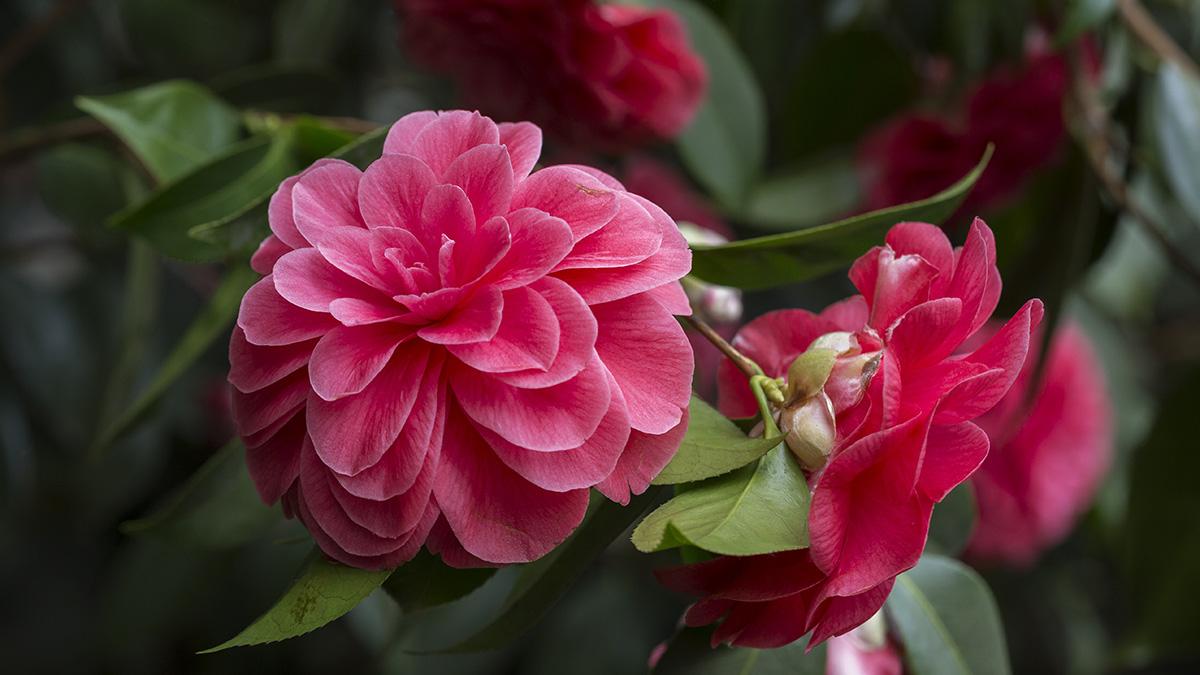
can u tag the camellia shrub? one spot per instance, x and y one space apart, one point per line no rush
694 336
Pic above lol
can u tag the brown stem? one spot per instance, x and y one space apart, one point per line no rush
748 367
1147 30
1093 136
26 140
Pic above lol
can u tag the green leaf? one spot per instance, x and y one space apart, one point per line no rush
947 620
761 508
1177 133
217 508
690 653
1082 16
725 144
780 259
171 126
712 446
324 592
82 184
243 176
953 522
211 323
544 581
425 581
805 196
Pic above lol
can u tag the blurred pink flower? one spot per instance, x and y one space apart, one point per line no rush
1046 461
1018 109
861 653
450 347
595 74
904 436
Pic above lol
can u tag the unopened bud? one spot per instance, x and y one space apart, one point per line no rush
807 374
810 430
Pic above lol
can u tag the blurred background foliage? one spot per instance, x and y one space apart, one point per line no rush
90 315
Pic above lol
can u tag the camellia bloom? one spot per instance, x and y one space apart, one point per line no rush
1048 454
1020 110
866 650
902 402
595 74
449 348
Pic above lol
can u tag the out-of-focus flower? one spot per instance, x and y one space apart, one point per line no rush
904 433
720 306
865 650
1047 459
602 75
1018 109
450 347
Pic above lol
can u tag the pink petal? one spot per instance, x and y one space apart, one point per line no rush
952 454
538 242
402 134
448 213
348 358
274 465
476 319
476 258
450 135
393 517
445 545
839 615
1004 353
252 367
975 272
644 458
900 283
528 336
258 410
650 359
269 251
554 418
486 175
497 515
847 315
599 285
628 238
570 194
392 192
671 297
927 241
576 342
352 433
524 143
269 320
326 198
281 218
920 337
304 278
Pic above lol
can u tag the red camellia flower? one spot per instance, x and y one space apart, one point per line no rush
448 348
594 74
1048 454
896 410
1020 110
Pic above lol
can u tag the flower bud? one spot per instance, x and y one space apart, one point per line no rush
810 430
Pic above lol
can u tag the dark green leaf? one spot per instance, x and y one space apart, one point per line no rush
82 184
781 259
1082 16
309 32
171 126
725 144
206 327
543 582
807 196
690 653
952 523
425 581
712 446
761 508
218 507
324 592
1177 133
947 620
240 178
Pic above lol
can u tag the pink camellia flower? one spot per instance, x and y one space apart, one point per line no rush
1019 110
595 74
901 436
1048 454
866 650
448 348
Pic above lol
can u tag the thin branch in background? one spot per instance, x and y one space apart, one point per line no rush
1093 135
748 367
1142 24
24 141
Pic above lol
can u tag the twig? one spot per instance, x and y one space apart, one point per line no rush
748 367
26 140
1147 30
1094 139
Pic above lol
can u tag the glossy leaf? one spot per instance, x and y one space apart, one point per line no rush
171 126
712 446
813 194
217 508
544 581
242 176
690 653
1177 133
425 581
761 508
779 259
211 323
324 592
83 184
947 620
725 144
953 522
